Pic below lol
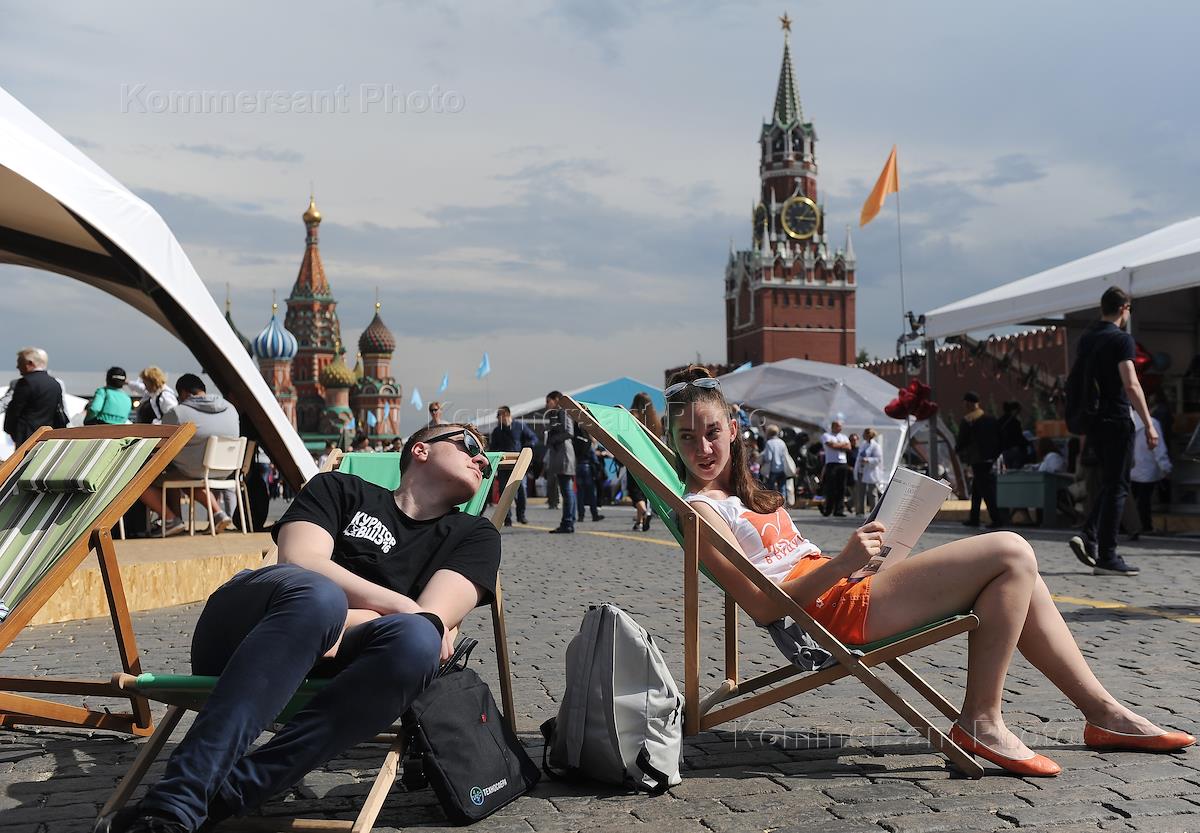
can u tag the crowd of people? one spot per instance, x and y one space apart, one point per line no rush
36 399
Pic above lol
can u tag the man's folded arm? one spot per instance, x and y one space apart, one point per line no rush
310 546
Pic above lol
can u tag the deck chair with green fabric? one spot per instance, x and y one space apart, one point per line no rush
182 692
61 493
651 464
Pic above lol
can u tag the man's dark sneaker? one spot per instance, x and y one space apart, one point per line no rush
1084 550
1115 567
523 520
597 517
560 530
508 521
129 820
117 822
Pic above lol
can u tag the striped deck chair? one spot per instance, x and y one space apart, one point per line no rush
651 464
61 493
182 692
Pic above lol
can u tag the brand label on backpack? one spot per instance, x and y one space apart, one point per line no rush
478 794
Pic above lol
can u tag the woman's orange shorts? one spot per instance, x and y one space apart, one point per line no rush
842 609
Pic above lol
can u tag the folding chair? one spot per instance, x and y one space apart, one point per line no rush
221 454
182 692
61 494
652 464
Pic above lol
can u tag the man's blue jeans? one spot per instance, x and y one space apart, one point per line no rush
262 632
567 489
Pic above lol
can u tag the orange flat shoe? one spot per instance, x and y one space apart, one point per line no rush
1039 766
1098 738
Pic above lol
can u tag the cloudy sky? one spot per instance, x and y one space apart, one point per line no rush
559 183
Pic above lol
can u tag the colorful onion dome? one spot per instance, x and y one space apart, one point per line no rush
376 338
275 342
336 374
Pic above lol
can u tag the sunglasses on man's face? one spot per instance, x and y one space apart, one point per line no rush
704 383
469 444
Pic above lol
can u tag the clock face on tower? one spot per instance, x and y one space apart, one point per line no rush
800 217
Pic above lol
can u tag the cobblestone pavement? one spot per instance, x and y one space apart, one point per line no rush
833 760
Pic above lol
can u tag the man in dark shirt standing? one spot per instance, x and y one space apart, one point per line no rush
1109 349
36 397
370 588
510 436
978 446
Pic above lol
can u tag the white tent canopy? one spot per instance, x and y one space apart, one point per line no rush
1158 262
61 212
814 393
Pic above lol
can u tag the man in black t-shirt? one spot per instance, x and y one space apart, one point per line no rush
1109 350
369 590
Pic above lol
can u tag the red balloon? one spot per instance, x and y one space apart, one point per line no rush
912 401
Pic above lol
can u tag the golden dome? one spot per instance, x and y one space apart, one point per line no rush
336 374
311 215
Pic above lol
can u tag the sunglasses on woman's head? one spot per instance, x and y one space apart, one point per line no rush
470 445
705 383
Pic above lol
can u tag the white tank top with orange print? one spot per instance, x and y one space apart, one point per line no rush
771 542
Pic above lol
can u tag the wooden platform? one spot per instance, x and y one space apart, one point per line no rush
158 573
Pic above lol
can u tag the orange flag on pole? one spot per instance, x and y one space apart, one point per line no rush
889 183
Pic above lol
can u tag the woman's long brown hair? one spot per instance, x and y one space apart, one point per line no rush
643 408
756 498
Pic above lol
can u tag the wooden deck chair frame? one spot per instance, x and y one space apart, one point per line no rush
16 709
701 714
364 822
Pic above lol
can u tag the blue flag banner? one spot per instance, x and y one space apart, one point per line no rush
352 424
372 420
485 367
741 367
416 400
445 383
387 409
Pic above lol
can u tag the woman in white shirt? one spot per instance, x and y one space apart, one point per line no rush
995 576
1149 467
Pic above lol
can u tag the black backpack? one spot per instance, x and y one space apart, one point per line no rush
459 745
1083 396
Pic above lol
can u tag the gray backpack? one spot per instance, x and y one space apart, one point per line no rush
621 717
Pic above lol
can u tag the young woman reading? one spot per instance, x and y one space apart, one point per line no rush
994 576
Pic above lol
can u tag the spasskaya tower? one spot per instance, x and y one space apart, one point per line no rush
790 295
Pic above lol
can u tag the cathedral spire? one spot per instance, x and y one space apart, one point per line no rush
311 281
787 100
849 254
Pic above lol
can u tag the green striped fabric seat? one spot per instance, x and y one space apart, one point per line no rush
37 528
69 465
191 690
625 427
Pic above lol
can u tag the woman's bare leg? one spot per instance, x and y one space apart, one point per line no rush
992 575
1047 643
